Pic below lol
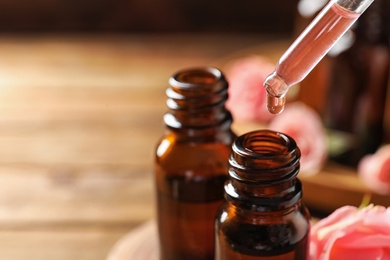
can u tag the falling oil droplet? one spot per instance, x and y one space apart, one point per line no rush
275 105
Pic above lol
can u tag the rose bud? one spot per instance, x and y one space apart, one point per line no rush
374 170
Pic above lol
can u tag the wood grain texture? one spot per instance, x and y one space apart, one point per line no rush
140 243
79 120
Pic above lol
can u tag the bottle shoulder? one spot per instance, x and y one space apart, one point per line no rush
173 144
174 155
230 214
292 227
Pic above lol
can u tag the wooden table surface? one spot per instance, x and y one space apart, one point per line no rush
79 118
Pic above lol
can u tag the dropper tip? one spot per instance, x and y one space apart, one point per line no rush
275 105
276 89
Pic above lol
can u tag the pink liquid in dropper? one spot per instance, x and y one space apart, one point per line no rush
307 50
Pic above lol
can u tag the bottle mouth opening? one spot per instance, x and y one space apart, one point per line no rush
264 143
196 76
264 155
196 100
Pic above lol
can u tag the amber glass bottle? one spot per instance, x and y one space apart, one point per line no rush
263 217
191 163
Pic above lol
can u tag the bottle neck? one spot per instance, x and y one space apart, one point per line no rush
255 216
260 199
263 169
196 103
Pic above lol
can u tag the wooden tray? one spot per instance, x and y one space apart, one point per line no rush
336 186
139 244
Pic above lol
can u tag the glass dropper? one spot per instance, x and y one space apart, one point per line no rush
310 47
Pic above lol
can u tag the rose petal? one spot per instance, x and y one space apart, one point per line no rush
329 244
384 172
356 254
338 215
374 170
352 233
364 239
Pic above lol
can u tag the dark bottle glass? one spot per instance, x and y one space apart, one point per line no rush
263 217
191 163
359 78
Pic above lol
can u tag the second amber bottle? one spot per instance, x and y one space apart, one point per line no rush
263 217
191 163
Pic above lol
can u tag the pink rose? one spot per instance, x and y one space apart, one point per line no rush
374 170
304 125
247 95
352 233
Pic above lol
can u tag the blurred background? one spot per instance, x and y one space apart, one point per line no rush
134 16
82 95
